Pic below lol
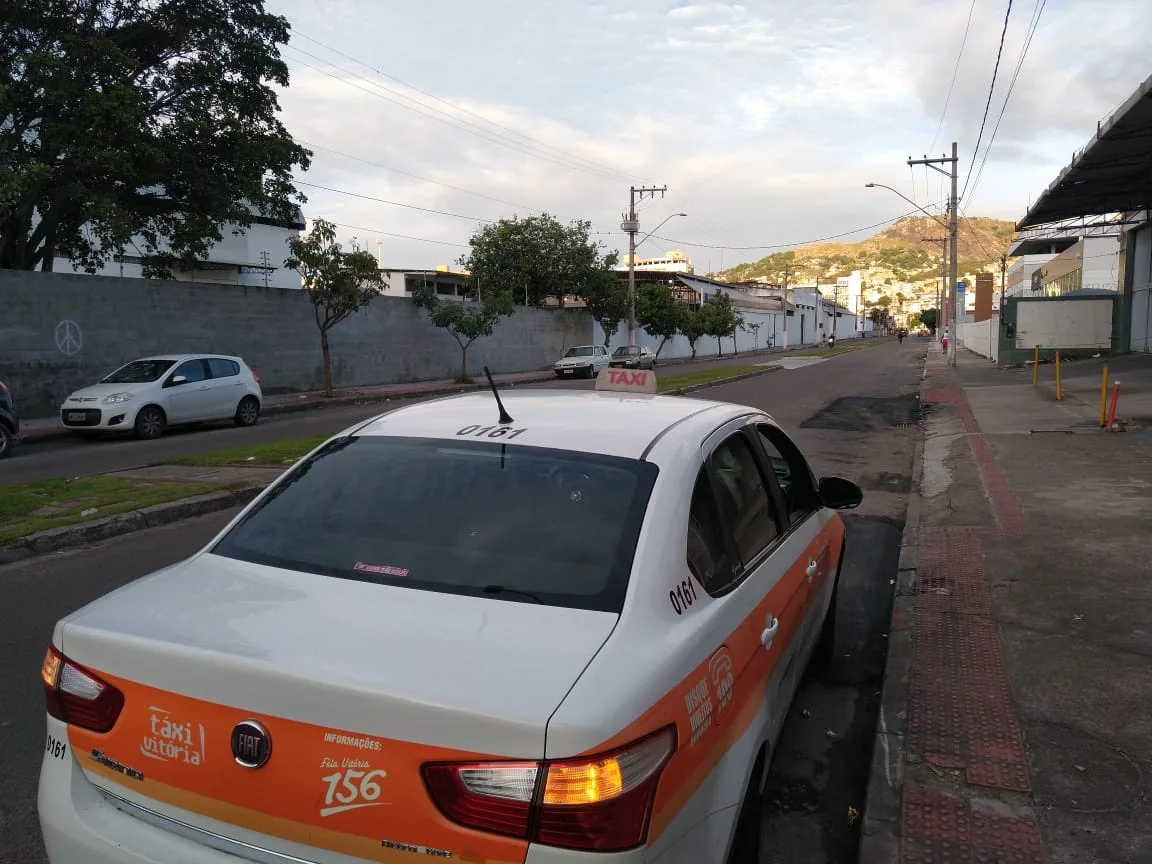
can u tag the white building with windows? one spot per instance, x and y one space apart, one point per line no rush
251 256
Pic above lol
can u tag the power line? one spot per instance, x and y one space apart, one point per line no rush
1038 10
417 176
453 122
393 203
599 165
376 231
787 245
988 104
955 70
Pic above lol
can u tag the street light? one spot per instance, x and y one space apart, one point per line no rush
658 227
906 198
631 226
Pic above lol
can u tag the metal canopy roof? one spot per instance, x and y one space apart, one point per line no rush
1041 246
1112 174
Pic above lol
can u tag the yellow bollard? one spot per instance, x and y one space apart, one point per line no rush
1036 366
1059 391
1104 394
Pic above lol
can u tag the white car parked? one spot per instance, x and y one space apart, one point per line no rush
152 393
586 360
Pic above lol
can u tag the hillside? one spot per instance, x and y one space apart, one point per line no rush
888 261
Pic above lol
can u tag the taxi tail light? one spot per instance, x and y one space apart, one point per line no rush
601 803
78 697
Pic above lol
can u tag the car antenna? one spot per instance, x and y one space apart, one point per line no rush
504 416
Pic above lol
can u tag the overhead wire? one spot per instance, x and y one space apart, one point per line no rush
988 104
791 244
392 203
600 165
955 71
377 231
433 114
1034 23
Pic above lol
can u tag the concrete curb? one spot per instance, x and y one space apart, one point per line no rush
69 536
313 403
880 830
695 388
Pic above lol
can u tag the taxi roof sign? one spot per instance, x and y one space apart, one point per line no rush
626 380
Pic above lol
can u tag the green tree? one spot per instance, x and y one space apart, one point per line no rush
606 297
536 258
928 318
338 282
465 321
659 312
153 122
692 327
720 319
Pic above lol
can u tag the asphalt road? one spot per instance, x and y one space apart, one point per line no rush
74 456
819 769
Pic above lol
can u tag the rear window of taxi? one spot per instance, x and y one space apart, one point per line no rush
512 522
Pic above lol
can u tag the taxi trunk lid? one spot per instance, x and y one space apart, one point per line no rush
355 688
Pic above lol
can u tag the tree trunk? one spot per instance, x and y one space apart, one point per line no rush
719 347
463 362
327 363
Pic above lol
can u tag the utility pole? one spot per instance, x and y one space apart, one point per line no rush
264 261
631 226
786 271
953 226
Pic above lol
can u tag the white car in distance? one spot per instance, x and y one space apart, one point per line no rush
586 360
148 395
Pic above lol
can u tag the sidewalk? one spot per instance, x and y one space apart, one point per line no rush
1017 709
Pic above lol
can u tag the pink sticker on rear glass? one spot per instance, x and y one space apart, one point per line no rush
382 569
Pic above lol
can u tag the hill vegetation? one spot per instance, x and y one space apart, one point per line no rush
890 260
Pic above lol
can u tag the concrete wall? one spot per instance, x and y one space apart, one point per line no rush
803 323
1059 324
982 337
62 331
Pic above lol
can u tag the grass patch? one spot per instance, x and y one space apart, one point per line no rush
844 349
31 507
277 453
703 376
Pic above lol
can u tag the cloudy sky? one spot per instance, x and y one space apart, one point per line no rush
764 118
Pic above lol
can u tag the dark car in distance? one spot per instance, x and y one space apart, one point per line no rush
9 421
632 357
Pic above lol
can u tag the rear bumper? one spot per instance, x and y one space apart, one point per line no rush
83 825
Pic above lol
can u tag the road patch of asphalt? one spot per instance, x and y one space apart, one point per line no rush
866 413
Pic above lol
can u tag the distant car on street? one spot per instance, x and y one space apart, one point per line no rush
584 360
633 357
148 395
9 421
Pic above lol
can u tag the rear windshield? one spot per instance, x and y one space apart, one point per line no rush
139 372
585 351
512 522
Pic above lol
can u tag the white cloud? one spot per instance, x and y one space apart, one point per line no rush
765 119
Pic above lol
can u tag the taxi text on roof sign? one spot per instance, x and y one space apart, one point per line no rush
627 381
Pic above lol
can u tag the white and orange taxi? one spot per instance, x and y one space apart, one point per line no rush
561 628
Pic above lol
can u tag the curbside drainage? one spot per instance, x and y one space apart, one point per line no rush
880 830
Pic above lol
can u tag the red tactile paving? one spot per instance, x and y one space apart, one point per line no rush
938 828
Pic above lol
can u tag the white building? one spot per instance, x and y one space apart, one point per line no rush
244 256
674 262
